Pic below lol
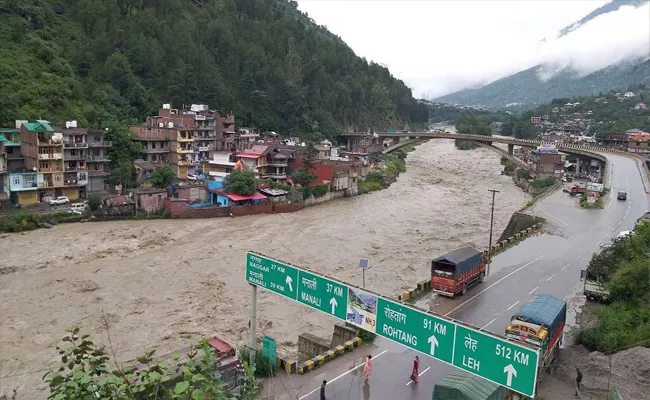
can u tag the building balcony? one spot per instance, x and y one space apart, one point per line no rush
156 151
50 143
75 157
184 163
75 169
181 150
50 156
277 163
97 172
48 184
100 158
185 139
50 170
100 143
205 128
204 148
273 175
10 143
73 145
74 182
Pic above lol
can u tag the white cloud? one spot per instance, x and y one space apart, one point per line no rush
440 46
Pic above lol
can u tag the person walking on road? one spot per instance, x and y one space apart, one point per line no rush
367 369
578 380
416 370
322 391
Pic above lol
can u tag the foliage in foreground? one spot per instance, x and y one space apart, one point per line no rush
26 221
163 177
263 367
84 371
624 266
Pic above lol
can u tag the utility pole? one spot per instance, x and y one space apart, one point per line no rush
253 324
494 192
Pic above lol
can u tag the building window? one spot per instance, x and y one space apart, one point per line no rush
82 176
16 180
29 180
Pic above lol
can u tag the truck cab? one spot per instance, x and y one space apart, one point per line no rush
593 288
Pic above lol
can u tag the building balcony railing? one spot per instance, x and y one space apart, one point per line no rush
100 158
180 138
75 169
100 143
71 145
152 151
47 184
71 182
10 143
184 150
50 143
97 172
184 163
75 157
50 156
277 164
49 170
206 128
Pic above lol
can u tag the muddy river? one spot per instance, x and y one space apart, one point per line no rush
159 283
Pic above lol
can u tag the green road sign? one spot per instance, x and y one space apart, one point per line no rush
322 294
268 348
498 360
483 354
415 329
271 274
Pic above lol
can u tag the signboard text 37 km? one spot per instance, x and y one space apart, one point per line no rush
483 354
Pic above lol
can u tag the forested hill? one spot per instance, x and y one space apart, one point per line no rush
118 60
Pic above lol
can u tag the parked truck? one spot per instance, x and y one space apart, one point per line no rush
457 271
461 385
540 322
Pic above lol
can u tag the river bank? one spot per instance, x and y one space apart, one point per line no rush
161 282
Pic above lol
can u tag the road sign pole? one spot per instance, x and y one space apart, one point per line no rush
253 322
489 261
364 277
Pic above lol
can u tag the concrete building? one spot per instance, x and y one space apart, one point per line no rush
23 187
547 161
98 160
639 143
226 126
246 138
4 186
220 165
366 144
267 161
10 138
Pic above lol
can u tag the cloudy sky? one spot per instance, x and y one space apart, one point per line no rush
440 46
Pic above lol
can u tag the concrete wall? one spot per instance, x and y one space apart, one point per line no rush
179 209
518 222
284 208
311 201
151 202
341 335
264 208
310 346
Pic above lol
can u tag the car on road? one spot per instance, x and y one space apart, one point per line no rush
622 196
59 200
192 177
623 234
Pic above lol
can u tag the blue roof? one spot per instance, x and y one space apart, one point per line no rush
459 255
542 309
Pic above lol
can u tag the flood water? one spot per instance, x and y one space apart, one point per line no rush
159 283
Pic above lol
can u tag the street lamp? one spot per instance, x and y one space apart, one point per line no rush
494 192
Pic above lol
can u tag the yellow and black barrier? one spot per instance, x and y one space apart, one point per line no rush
289 366
329 355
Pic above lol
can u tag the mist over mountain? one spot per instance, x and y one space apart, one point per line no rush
608 49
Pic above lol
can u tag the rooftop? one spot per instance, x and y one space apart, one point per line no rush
38 127
238 197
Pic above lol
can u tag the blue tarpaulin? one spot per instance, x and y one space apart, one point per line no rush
543 309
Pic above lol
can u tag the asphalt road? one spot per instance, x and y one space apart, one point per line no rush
548 264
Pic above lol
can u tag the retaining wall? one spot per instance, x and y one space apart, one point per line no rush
312 201
328 355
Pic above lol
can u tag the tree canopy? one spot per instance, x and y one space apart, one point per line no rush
163 177
119 60
240 182
85 371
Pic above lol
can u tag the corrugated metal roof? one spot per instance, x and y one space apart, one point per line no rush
459 255
471 387
542 309
38 127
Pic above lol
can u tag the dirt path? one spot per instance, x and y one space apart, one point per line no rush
162 282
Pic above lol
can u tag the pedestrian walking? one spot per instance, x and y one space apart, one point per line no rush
415 375
578 380
367 369
322 391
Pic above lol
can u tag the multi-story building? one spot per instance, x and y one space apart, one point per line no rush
42 150
23 187
267 161
226 129
10 138
246 138
3 172
547 161
97 161
85 158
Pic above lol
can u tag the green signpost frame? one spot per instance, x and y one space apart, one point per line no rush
483 354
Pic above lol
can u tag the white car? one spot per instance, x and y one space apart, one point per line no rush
624 234
192 177
59 200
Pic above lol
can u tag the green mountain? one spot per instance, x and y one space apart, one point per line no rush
118 60
527 89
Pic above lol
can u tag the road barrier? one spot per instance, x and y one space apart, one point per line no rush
329 355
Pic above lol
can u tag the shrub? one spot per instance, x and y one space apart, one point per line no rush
94 202
321 190
263 366
523 174
544 183
465 145
368 186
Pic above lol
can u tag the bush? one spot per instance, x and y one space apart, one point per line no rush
544 183
368 186
94 202
465 145
263 366
523 174
621 325
321 190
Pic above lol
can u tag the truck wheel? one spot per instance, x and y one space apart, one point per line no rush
481 277
464 290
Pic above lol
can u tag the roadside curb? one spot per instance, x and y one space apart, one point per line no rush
425 285
329 355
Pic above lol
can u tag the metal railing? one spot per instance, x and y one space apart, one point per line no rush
75 145
100 143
